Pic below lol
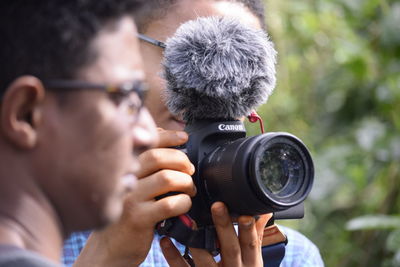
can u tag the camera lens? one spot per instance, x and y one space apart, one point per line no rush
259 174
280 169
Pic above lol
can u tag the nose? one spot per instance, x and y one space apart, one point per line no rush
144 132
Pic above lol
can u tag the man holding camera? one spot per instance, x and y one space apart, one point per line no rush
72 121
166 169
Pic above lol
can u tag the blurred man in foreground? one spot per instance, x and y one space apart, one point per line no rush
72 121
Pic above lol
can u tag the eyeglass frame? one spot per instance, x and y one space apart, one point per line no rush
151 40
124 89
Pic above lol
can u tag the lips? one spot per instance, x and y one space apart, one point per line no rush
180 124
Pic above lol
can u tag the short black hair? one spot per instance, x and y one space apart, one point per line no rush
51 39
162 7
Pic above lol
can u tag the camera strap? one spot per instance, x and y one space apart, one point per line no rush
273 246
181 229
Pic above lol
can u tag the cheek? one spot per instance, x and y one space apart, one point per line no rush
112 142
155 101
100 168
100 152
82 155
153 70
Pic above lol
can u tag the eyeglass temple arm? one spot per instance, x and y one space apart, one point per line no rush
151 40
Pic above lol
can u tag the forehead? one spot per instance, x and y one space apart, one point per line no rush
185 10
117 54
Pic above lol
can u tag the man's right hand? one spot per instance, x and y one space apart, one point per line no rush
237 250
163 169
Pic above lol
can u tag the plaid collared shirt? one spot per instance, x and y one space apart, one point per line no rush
300 251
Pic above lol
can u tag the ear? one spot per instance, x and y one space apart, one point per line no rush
20 111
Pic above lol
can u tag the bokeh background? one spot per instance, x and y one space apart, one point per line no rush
339 91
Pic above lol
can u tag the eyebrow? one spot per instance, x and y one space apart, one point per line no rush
151 40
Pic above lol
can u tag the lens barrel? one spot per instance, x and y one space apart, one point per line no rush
259 174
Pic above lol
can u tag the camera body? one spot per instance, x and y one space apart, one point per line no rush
271 172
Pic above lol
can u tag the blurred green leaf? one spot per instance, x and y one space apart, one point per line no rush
377 221
393 241
391 27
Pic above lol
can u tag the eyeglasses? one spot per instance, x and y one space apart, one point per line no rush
129 96
151 40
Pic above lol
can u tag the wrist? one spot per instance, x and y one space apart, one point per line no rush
103 250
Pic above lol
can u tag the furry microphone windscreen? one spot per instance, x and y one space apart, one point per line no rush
218 69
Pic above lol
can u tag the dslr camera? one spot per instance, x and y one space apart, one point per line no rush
270 172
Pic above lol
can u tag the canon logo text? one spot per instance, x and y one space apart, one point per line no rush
230 127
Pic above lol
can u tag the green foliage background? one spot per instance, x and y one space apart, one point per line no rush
339 91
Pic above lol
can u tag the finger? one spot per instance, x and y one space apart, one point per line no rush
171 138
169 207
157 159
148 213
230 249
163 182
202 258
250 243
261 223
171 253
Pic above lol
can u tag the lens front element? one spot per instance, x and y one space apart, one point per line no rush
281 169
